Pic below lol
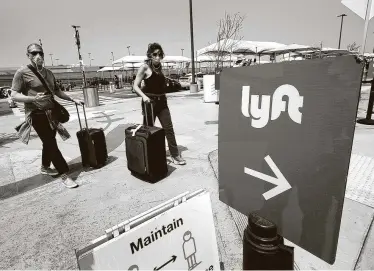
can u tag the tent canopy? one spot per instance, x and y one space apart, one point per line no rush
228 46
105 69
213 58
137 59
290 48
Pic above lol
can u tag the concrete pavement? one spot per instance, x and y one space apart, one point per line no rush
42 222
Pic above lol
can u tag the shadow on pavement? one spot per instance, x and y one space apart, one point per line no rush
114 139
9 138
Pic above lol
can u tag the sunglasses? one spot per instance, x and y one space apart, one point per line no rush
157 54
34 53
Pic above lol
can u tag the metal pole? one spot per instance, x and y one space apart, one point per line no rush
112 62
78 43
367 19
128 49
51 58
182 51
192 45
341 27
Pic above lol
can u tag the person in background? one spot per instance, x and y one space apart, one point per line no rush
27 88
155 92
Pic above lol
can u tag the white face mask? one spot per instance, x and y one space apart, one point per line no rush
37 59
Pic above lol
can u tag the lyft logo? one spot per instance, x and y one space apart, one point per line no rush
260 112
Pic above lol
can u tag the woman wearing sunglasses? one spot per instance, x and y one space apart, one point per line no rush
155 91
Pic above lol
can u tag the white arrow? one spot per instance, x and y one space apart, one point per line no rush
280 181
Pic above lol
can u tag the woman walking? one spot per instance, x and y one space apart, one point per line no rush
154 92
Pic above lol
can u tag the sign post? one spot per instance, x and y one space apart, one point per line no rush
285 141
176 235
364 9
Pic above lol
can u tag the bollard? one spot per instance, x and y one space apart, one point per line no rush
368 120
91 96
263 247
193 88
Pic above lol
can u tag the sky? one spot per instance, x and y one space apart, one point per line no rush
111 26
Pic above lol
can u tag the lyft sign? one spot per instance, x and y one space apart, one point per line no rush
284 145
260 111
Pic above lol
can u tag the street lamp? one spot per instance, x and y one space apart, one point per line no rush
112 62
89 55
128 49
341 27
78 43
57 59
51 58
182 51
192 46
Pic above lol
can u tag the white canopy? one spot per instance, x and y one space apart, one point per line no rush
137 59
256 47
290 48
109 69
239 47
213 58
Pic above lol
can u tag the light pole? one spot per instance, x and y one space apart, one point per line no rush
78 43
128 49
192 46
341 27
112 62
51 58
182 51
57 59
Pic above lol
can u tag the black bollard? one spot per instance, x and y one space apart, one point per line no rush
368 120
263 247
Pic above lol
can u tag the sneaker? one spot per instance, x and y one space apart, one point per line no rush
178 160
48 171
68 182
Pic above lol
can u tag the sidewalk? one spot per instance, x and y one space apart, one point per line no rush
42 222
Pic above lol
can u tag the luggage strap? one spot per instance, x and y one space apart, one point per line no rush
135 130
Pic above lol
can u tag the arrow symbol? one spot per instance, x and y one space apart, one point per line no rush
173 258
280 181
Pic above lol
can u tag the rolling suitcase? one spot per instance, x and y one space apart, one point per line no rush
92 144
145 151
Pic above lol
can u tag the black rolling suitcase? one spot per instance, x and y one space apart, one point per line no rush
92 144
145 151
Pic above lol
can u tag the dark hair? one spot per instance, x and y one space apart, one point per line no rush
33 44
153 47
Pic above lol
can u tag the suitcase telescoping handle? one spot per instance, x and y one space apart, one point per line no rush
79 118
146 115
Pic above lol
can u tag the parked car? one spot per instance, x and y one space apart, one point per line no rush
5 92
172 85
185 82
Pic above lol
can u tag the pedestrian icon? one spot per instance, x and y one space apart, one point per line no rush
189 250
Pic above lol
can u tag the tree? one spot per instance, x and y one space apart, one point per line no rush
228 36
353 47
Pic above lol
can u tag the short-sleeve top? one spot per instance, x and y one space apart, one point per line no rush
26 82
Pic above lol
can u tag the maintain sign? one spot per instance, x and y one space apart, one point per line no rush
285 140
180 235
